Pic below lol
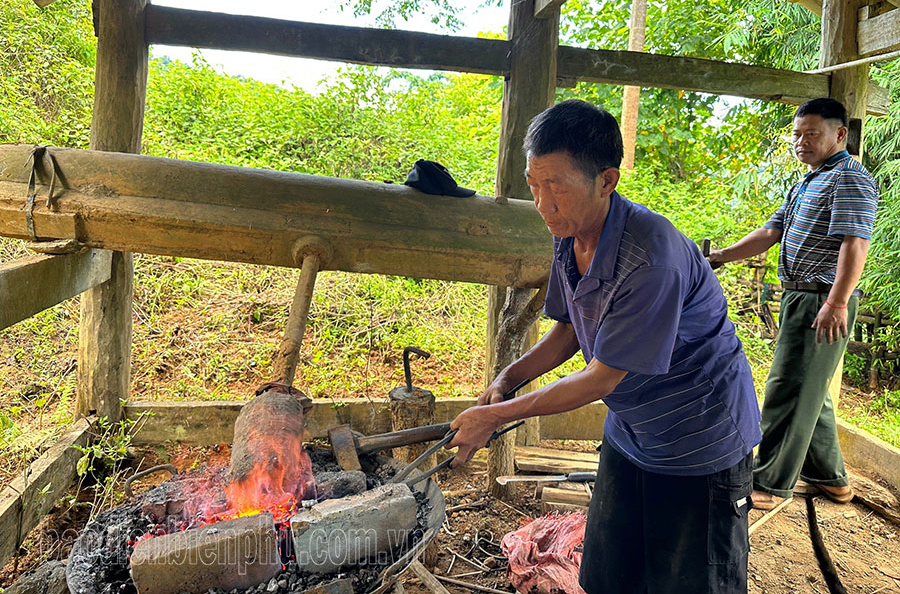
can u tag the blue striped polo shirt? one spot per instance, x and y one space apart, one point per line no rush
837 199
649 304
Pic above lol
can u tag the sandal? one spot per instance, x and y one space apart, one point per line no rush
765 501
837 494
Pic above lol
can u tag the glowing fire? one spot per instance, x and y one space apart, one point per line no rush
280 479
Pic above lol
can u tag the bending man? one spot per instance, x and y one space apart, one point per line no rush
635 296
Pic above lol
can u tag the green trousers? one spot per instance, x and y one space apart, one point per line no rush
799 430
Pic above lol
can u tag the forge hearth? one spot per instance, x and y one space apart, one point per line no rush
192 511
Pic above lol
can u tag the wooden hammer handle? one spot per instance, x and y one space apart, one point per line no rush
396 439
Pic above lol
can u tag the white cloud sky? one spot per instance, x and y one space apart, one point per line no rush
301 72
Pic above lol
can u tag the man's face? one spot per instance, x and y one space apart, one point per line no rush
815 139
562 194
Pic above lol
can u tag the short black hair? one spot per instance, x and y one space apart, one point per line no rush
587 133
826 108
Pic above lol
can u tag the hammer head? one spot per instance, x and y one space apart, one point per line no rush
343 446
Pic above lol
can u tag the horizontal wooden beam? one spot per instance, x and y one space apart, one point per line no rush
136 203
355 45
704 76
407 49
544 9
879 34
209 423
28 498
34 283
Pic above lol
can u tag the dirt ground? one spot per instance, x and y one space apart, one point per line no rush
865 548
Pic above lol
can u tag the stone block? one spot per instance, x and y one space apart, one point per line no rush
340 532
236 553
334 485
49 578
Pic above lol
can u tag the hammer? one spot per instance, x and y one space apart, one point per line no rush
347 447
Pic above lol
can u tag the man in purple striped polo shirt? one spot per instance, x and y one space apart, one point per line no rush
824 226
637 299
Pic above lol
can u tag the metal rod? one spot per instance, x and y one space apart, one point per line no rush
852 63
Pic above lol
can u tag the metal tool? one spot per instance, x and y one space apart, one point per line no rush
572 477
400 476
348 446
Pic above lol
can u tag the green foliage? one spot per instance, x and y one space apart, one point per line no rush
107 449
363 126
881 416
46 64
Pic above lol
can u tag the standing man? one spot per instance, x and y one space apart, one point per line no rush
824 226
636 297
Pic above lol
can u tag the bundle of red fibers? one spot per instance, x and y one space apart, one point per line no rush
542 555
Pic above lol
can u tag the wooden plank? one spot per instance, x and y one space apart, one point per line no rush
34 283
545 9
876 497
548 466
567 496
147 204
406 49
356 45
880 34
768 516
427 578
706 76
28 498
552 454
211 422
120 83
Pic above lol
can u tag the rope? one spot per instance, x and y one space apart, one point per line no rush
39 153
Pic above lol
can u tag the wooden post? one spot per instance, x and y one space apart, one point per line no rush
632 94
529 90
120 83
850 86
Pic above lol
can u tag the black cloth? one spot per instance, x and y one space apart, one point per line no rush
655 533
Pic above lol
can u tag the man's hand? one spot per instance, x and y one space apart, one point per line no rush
830 323
474 427
715 259
492 395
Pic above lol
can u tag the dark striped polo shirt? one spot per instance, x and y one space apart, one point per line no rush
649 304
837 199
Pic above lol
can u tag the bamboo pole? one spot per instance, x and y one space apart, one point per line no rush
104 345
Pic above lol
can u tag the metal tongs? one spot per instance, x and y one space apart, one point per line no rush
401 476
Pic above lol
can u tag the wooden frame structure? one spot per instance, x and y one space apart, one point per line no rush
461 246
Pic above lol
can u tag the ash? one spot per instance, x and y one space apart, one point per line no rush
99 562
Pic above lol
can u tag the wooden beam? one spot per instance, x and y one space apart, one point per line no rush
850 86
120 83
814 6
529 90
406 49
705 76
356 45
34 283
147 204
210 422
547 9
880 34
28 498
